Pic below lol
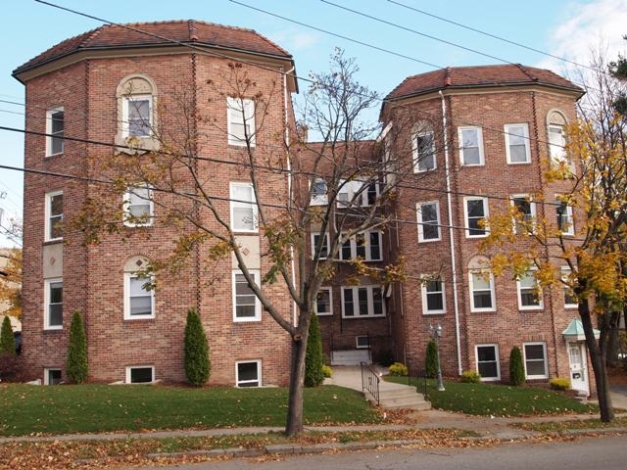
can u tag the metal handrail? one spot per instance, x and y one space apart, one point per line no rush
370 381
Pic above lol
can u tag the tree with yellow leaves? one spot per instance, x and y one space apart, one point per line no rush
11 281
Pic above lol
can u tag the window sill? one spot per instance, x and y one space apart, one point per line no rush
136 145
430 314
430 240
52 329
139 318
364 317
246 320
53 155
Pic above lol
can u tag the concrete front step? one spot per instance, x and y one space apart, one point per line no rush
395 396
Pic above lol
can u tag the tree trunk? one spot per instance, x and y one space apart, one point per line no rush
598 363
294 423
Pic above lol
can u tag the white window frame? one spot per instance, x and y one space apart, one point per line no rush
128 375
242 383
314 242
52 136
486 277
256 276
424 285
486 215
236 203
429 158
497 361
329 292
47 303
126 123
519 290
479 133
128 276
532 209
47 371
370 298
557 152
567 305
570 220
422 223
544 360
510 133
318 198
367 246
126 205
359 343
48 216
351 195
240 111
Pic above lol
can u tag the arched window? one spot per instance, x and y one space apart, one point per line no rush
139 298
556 131
137 118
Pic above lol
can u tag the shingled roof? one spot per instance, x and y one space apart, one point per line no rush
166 33
478 77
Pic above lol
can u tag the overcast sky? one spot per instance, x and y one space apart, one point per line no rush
391 39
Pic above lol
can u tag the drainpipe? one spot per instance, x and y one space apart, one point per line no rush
289 182
449 203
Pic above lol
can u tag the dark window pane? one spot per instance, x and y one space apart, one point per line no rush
141 375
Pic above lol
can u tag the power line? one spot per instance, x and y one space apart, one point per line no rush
493 36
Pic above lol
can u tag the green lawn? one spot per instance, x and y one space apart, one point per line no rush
498 400
28 409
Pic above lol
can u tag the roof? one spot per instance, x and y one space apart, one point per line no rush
575 330
188 32
478 77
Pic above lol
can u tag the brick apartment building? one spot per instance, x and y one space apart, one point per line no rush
476 140
115 86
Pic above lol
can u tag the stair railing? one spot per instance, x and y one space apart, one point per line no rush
370 381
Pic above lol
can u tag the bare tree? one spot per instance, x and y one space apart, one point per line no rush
337 187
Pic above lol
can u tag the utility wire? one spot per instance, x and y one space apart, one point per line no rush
490 35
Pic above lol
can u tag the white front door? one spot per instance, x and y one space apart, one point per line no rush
578 372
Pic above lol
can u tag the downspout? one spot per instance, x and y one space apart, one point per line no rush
449 203
289 184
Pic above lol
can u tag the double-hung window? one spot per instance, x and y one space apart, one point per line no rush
529 293
524 213
557 141
137 115
433 300
357 193
139 297
428 221
365 245
138 206
324 302
565 222
424 152
517 145
570 298
241 121
243 208
320 241
53 305
319 191
362 301
488 361
476 214
482 298
54 216
55 128
535 360
471 146
246 305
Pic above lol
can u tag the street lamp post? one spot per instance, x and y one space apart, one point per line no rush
436 334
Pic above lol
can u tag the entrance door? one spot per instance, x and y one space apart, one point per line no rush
578 372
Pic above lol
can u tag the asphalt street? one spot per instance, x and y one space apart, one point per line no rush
607 453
